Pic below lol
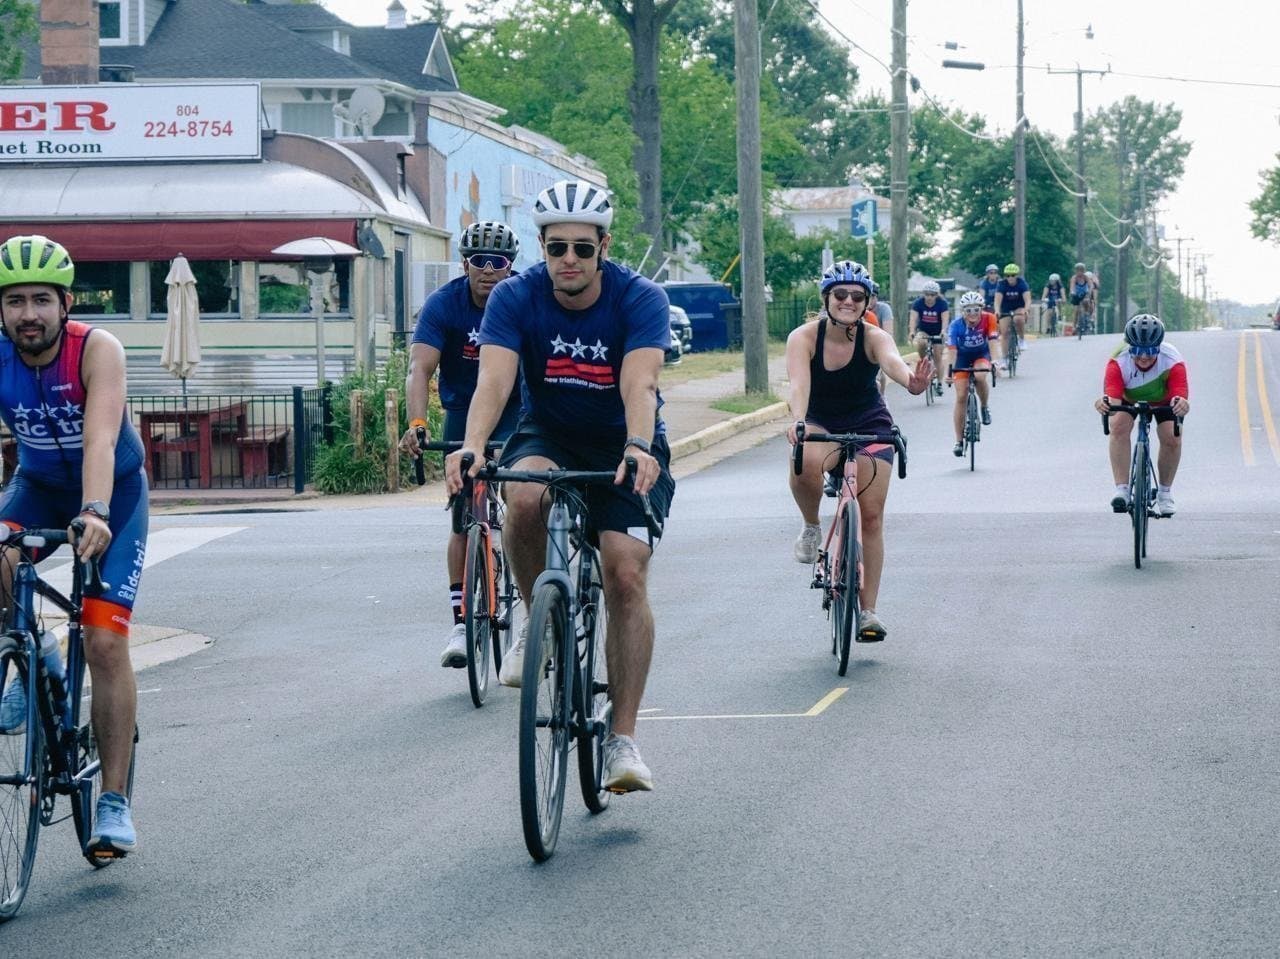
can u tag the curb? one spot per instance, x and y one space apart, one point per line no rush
700 440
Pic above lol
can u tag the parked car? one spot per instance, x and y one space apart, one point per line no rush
675 350
683 327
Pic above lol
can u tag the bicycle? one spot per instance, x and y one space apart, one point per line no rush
972 420
1084 318
1051 318
52 753
564 692
838 569
1142 471
490 599
935 387
1014 350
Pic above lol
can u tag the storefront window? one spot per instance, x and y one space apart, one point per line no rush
217 286
101 289
285 289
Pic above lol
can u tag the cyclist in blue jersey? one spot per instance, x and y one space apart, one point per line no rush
987 286
590 337
1053 294
1013 294
969 340
447 338
930 315
62 395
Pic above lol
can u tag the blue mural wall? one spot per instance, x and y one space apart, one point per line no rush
482 174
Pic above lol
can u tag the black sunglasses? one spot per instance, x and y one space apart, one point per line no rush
856 295
582 249
495 261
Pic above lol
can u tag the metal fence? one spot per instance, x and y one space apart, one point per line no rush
232 440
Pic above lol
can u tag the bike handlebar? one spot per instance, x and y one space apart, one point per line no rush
1141 408
440 446
90 569
893 438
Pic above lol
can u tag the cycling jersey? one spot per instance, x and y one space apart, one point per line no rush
1080 287
572 359
1158 385
450 322
972 342
44 409
1013 296
929 318
988 288
1053 293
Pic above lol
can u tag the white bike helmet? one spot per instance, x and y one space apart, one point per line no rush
1054 278
573 201
972 298
931 287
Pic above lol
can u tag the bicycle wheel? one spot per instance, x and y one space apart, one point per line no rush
972 427
1013 354
22 764
477 600
595 711
1139 495
928 393
845 577
507 604
545 695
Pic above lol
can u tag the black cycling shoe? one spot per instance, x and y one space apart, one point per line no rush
959 449
986 416
1119 504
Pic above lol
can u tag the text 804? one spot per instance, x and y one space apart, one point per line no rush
156 129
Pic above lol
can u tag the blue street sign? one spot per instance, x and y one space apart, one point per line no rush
862 219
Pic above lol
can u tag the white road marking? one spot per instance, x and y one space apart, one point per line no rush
815 710
161 545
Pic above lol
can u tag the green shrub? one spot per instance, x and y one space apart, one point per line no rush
338 468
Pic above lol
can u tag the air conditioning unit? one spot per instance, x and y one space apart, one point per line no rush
426 278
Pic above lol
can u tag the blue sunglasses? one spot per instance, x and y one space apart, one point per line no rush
1144 350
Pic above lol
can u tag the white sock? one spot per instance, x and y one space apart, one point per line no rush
1122 489
1165 490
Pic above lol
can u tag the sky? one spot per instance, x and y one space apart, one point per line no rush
1234 130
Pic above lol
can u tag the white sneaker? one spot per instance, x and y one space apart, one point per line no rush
512 670
1120 502
455 654
1022 344
624 770
1164 504
806 548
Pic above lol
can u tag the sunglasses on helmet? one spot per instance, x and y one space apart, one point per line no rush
493 261
582 249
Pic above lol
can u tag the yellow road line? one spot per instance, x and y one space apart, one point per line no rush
1264 400
1242 401
818 707
827 700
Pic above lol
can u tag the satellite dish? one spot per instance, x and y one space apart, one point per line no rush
365 109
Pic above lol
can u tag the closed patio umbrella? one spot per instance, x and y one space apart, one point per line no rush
181 353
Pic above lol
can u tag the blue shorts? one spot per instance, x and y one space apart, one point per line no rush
26 503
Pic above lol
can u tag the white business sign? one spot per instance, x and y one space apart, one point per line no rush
108 123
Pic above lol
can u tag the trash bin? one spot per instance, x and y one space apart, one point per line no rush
715 315
732 313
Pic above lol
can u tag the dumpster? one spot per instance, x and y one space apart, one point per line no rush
714 312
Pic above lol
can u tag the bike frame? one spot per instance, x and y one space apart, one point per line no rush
1141 463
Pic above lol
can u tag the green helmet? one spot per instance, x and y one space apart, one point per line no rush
35 259
1012 270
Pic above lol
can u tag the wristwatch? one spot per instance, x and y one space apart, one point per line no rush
639 442
98 509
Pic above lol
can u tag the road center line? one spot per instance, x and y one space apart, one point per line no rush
1242 401
1264 400
818 707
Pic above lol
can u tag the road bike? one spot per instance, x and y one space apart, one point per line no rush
1050 315
1084 317
490 599
52 753
934 388
1014 351
1142 470
972 419
838 568
564 691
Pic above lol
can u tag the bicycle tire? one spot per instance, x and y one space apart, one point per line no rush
1138 505
477 601
22 766
1014 353
545 696
928 393
595 710
973 428
508 606
847 588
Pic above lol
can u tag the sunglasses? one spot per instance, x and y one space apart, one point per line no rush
856 295
973 309
582 249
1145 350
489 261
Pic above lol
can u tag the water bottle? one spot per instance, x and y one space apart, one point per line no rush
51 656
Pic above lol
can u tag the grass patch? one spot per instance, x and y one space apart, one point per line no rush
697 366
744 402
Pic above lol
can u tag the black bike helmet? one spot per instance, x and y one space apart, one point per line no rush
1144 331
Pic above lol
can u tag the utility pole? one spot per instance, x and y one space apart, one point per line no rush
1124 228
1178 240
750 196
1020 168
900 120
1080 181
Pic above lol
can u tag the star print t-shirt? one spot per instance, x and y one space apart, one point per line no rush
571 359
450 322
44 409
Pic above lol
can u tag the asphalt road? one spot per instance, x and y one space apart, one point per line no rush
1053 754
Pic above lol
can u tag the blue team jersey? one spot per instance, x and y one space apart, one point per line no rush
988 288
971 342
1013 296
929 318
44 409
572 359
450 322
1054 292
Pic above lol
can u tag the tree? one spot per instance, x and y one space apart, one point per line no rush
17 23
1266 206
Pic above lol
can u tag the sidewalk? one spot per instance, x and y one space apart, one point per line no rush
693 426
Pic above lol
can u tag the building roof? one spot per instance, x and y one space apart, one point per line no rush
400 54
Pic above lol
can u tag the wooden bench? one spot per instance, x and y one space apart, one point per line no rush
180 443
264 451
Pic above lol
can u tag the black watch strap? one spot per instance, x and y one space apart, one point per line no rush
98 509
639 442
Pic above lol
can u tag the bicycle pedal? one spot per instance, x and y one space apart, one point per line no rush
870 636
104 854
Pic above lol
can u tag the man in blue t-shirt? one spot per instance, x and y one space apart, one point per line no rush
590 337
987 286
1012 297
447 338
